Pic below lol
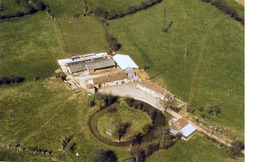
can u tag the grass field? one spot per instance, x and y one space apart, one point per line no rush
136 118
82 35
192 150
29 46
213 41
62 9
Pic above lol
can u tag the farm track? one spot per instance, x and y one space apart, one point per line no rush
197 68
50 117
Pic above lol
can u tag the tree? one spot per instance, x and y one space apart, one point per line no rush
39 5
121 128
214 109
236 149
29 9
168 101
166 139
101 155
138 154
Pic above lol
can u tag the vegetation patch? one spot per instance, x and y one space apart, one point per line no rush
18 8
29 47
124 123
82 35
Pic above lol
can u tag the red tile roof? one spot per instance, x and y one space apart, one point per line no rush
179 124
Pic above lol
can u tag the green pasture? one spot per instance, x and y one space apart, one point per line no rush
65 8
126 114
82 35
192 150
214 61
30 46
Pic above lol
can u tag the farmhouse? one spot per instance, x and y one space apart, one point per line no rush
124 61
152 88
183 126
109 80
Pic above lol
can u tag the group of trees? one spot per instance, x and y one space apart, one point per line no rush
236 149
113 42
130 9
30 8
121 128
212 109
101 155
11 79
141 106
107 100
226 8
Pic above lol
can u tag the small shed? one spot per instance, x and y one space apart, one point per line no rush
183 126
109 132
124 61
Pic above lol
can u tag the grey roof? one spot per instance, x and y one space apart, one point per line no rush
100 64
77 68
84 59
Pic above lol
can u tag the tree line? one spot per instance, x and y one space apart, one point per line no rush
130 9
226 8
11 79
30 8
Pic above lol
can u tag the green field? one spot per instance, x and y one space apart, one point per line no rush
214 65
192 150
82 35
30 46
136 118
65 9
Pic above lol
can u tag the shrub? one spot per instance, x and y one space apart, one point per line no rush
30 9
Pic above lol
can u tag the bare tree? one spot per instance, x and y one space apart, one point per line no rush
168 101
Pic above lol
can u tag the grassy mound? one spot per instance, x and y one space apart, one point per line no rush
137 119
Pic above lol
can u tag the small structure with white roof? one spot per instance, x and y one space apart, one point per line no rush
181 126
124 61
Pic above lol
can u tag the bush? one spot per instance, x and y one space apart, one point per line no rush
103 156
30 9
151 148
113 42
11 79
236 149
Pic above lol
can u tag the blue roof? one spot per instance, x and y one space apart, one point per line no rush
187 130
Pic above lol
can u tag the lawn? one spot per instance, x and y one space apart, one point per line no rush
192 150
65 9
29 46
214 64
82 35
126 114
112 5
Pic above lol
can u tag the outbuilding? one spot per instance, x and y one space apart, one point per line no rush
181 126
124 61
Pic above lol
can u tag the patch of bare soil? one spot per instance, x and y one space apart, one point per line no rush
242 2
